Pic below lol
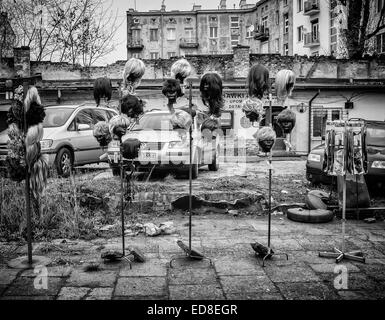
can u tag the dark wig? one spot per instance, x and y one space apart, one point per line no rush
35 114
211 88
172 90
258 81
132 106
102 89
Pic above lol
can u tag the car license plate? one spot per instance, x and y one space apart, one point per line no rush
147 156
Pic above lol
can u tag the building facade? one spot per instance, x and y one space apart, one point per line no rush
264 27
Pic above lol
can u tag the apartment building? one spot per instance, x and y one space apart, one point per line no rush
265 26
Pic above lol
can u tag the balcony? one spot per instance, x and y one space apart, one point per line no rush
311 40
135 44
311 7
262 33
188 43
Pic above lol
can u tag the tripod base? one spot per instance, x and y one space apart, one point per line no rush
189 257
22 262
190 254
339 255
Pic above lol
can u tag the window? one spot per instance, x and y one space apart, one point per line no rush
153 34
285 3
286 49
171 54
277 17
171 34
234 40
85 117
154 55
300 33
380 5
189 32
213 32
381 43
100 115
264 22
320 118
300 5
234 22
286 23
249 33
315 30
276 45
136 35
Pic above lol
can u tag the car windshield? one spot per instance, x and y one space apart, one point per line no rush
56 117
156 122
3 121
375 136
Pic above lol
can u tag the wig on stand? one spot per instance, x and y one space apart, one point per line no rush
102 90
181 70
132 75
284 85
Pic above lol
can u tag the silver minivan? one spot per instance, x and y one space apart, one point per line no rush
68 135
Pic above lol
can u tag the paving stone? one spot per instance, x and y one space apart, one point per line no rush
72 293
59 271
196 292
136 287
80 278
291 274
138 298
192 276
330 268
250 284
232 266
7 276
253 296
24 286
355 295
100 294
306 291
151 268
23 298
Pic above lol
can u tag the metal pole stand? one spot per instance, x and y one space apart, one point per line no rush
339 255
260 250
190 254
29 261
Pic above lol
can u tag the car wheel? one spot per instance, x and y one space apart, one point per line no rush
215 165
64 162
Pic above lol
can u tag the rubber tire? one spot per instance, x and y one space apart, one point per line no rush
59 158
215 165
310 216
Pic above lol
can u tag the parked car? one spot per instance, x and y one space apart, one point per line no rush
169 150
68 135
375 141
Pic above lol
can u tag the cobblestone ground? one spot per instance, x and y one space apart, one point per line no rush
235 272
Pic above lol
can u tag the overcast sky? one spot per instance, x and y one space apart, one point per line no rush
121 6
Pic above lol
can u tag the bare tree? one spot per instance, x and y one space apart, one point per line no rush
364 22
73 31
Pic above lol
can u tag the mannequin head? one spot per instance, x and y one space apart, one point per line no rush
181 70
133 73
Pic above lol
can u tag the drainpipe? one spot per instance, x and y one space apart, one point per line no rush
310 114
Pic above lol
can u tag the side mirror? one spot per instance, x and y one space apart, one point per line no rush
84 127
323 138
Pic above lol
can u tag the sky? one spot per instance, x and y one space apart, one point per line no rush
122 6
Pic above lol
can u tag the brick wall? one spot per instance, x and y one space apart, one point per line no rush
228 66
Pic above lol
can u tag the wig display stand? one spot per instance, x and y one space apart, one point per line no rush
190 253
260 250
340 255
29 261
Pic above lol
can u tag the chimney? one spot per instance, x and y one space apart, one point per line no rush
197 7
22 62
163 7
222 4
242 4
